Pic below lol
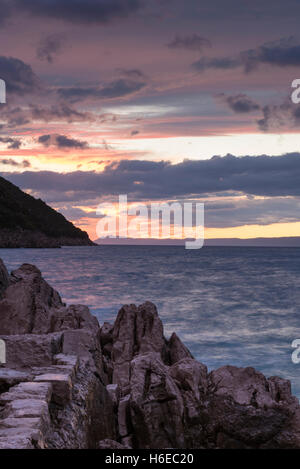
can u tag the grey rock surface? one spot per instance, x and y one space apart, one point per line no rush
69 383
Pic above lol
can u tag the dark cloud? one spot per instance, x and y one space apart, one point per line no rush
249 211
19 76
17 164
221 63
13 144
61 111
279 117
50 46
75 213
255 175
80 11
282 53
103 11
275 117
19 116
116 89
192 42
237 212
61 141
239 103
44 139
133 73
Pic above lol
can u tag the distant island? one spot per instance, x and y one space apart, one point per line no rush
26 222
251 242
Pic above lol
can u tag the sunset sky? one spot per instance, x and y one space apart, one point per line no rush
162 100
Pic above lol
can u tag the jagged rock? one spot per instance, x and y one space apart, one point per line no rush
243 409
114 393
61 385
123 417
87 418
106 335
23 351
182 406
149 330
191 379
9 378
73 317
59 348
68 360
28 390
21 438
136 330
4 278
27 303
123 344
86 345
27 408
110 444
70 384
156 405
177 350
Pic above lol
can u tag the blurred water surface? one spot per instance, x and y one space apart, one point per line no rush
238 306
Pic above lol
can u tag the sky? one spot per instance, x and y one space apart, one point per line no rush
162 100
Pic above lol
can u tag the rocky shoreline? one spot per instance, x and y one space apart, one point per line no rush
12 239
70 383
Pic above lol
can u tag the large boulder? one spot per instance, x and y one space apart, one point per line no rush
28 303
177 350
166 399
136 330
244 409
156 405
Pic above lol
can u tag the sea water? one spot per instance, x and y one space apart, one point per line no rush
229 305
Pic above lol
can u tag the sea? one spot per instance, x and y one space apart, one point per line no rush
229 305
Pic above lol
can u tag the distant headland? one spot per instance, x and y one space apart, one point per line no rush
251 242
26 222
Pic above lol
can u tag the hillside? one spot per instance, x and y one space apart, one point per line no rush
29 222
